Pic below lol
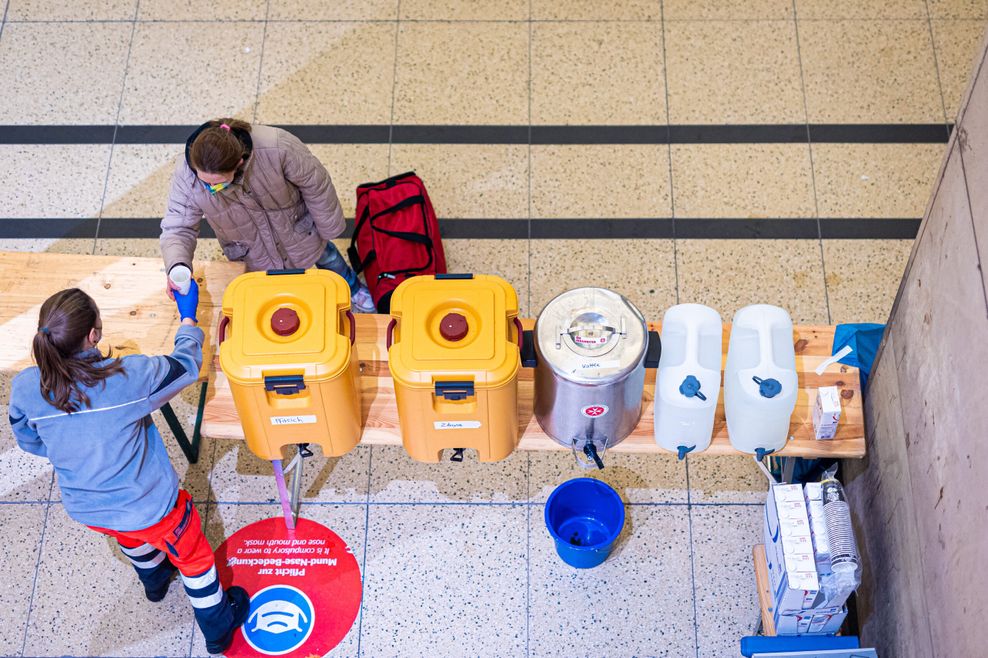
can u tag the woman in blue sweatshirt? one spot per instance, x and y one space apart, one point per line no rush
90 416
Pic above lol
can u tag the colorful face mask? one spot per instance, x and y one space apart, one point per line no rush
213 189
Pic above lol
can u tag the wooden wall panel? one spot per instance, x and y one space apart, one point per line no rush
974 155
880 490
919 501
940 345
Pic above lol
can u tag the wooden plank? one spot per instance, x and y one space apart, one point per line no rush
764 589
813 347
137 315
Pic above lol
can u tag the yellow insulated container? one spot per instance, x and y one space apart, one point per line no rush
454 357
286 345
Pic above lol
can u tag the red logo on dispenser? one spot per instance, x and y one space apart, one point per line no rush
594 410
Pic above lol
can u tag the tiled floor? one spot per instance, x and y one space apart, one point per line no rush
721 215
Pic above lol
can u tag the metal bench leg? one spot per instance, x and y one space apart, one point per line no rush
190 448
295 468
286 503
788 467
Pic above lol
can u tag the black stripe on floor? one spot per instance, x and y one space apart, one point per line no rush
872 229
56 134
36 228
935 133
741 229
541 229
458 134
601 229
745 134
871 133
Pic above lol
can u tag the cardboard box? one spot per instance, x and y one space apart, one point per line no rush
818 526
826 412
800 562
818 522
789 550
798 545
828 622
797 550
810 622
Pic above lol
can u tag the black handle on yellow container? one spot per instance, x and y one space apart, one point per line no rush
528 356
454 390
521 334
391 332
353 326
285 271
284 384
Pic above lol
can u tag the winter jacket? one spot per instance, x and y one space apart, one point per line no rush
112 466
279 212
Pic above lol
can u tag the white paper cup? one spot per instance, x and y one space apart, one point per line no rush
181 278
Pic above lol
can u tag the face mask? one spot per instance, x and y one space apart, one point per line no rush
213 189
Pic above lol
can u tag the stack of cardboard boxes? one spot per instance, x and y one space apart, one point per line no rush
798 557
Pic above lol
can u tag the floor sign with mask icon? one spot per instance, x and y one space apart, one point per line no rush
304 586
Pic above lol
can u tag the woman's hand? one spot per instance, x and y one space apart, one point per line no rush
188 303
170 288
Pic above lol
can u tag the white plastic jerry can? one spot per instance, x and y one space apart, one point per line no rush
760 383
688 383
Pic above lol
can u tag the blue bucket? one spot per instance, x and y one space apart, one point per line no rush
584 517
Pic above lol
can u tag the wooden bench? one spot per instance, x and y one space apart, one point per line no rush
138 316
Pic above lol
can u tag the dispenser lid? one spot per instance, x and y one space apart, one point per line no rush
768 388
690 388
591 336
454 326
285 321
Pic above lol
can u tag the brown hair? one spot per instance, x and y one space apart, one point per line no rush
218 150
64 323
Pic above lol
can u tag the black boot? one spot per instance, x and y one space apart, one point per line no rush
239 602
153 569
156 591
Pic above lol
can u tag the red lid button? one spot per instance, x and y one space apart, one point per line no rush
453 327
285 322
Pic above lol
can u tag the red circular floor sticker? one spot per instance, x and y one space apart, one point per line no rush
304 586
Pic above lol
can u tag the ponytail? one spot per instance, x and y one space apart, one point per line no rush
64 323
219 148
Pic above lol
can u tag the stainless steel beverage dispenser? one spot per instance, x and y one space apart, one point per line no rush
590 347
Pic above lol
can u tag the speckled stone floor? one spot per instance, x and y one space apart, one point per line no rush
707 151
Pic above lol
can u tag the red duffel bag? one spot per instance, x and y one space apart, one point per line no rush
396 235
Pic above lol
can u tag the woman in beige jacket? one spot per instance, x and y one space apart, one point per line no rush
269 201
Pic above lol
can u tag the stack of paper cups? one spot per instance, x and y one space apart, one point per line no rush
181 278
840 533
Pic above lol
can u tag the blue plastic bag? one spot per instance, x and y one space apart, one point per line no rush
864 339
